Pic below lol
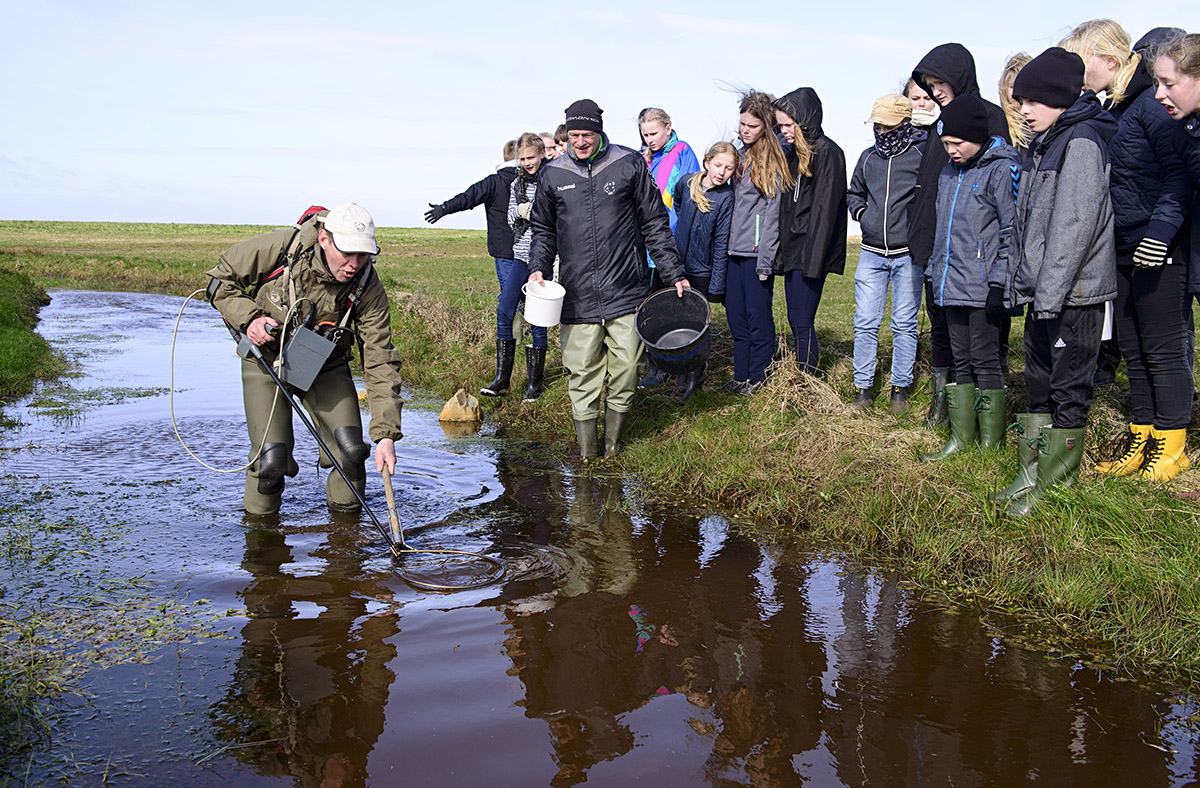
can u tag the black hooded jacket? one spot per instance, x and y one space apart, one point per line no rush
600 217
812 215
950 63
492 194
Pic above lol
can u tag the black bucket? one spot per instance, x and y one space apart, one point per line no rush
675 330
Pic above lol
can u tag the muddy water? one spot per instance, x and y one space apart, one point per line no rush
631 644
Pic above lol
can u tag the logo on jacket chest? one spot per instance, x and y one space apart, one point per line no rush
565 188
610 188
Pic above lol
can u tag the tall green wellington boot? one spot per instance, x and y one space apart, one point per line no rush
587 437
1029 429
1059 455
989 405
614 428
937 414
960 404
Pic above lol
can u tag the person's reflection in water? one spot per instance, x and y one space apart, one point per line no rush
312 677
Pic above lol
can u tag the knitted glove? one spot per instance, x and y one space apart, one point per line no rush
523 210
434 213
995 302
1150 253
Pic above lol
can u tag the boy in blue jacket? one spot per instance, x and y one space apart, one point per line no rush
976 203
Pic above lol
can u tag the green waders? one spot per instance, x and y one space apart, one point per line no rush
332 402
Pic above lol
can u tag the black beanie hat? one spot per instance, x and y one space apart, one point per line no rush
1054 78
584 115
966 118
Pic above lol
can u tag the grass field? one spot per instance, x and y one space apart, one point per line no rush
1110 567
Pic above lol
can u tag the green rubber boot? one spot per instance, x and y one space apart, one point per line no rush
960 404
588 439
614 428
1029 428
1059 455
989 405
937 414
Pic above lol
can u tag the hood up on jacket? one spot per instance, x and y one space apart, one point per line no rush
951 63
804 106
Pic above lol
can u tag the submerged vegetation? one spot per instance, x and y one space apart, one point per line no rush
1109 566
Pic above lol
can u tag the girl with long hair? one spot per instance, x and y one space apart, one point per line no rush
762 177
1018 129
1150 194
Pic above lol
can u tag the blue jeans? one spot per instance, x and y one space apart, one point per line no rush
871 281
751 323
510 302
503 266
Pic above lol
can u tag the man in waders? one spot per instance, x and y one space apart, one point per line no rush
599 210
319 276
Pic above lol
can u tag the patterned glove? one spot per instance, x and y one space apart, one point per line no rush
434 213
1150 253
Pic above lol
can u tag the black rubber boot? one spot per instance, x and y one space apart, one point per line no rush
939 414
505 350
535 368
689 384
614 427
588 440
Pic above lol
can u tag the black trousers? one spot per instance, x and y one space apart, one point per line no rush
975 342
1152 313
941 352
1060 359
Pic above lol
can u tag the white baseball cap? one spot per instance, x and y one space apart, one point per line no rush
352 228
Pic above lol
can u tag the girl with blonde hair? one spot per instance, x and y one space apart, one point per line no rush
1018 129
753 242
1150 195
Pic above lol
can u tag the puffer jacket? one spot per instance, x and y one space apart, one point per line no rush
1064 220
1149 184
754 229
976 204
242 295
1186 140
878 197
600 216
492 194
703 238
812 215
951 63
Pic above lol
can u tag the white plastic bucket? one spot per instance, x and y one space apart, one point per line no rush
543 302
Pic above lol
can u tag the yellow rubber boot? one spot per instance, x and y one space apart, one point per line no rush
1129 462
1166 458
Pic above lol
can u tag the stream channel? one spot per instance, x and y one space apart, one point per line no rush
632 642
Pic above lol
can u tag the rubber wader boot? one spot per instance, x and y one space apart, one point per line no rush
1060 451
505 350
989 405
960 404
1029 428
1131 461
264 479
938 412
1166 458
535 368
654 378
614 427
586 437
689 384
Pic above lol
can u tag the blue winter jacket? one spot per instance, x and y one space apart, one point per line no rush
1149 183
976 204
703 238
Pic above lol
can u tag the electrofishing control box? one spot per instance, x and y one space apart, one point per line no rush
304 354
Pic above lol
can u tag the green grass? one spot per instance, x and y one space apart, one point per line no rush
1110 566
24 355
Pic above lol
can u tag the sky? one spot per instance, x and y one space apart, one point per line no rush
248 112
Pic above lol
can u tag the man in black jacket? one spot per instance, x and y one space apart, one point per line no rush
946 72
492 194
599 209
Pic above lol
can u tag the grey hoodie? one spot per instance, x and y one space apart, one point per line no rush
755 227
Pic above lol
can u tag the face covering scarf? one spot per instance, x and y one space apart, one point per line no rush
926 117
894 142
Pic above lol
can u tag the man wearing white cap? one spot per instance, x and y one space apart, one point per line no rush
318 275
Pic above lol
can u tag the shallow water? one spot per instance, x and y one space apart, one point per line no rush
631 642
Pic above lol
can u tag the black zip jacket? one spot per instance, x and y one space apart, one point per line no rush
812 215
492 194
879 194
600 217
951 63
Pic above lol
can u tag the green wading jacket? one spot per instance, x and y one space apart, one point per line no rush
244 266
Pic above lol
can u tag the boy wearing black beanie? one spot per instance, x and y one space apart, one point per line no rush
1066 269
969 269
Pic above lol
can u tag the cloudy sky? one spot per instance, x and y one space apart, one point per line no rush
247 112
